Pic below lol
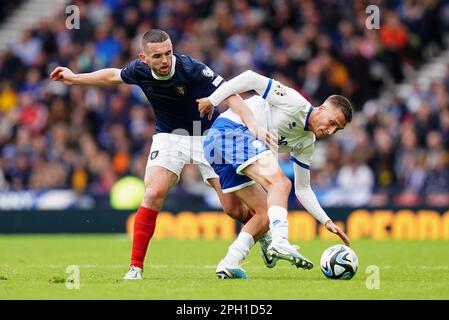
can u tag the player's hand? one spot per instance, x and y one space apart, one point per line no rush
332 227
205 107
263 134
63 74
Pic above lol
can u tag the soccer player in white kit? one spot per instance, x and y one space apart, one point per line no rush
240 146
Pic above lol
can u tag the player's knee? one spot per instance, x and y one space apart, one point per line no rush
286 184
153 196
281 182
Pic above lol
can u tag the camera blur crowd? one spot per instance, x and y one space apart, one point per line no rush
395 151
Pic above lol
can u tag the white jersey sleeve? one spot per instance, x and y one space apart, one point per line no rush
274 92
303 190
246 81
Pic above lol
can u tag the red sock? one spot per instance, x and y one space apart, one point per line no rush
144 225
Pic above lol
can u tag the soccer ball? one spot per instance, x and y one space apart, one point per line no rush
339 262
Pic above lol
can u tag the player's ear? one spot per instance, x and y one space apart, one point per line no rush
142 56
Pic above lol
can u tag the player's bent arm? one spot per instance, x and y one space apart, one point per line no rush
246 81
306 196
239 107
103 77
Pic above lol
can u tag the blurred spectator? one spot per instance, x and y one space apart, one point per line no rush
436 187
8 97
28 49
355 183
85 138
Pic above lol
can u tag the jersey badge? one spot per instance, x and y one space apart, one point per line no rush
207 72
181 90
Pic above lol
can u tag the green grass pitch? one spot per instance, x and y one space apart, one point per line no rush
34 267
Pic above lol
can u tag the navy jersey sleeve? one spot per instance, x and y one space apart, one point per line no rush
205 76
128 73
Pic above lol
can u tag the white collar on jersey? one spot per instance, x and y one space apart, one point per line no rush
168 76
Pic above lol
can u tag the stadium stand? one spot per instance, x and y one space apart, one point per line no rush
84 138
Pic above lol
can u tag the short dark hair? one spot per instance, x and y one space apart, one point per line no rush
343 104
154 36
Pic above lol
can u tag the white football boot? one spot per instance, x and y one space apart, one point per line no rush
134 273
224 272
282 249
264 242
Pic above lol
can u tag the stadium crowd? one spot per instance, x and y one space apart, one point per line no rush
85 138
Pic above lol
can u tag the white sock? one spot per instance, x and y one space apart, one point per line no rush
278 222
239 249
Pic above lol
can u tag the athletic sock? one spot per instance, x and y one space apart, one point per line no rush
239 249
144 225
278 223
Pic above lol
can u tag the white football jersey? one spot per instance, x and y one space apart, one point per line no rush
285 113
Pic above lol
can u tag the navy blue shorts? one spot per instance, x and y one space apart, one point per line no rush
229 148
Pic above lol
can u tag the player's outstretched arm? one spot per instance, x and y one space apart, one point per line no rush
238 105
307 197
103 77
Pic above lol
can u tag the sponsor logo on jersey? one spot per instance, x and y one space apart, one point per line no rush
280 90
207 72
154 155
282 141
217 81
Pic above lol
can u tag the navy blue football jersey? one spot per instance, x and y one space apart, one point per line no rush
174 99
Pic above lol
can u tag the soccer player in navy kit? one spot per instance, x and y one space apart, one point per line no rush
172 83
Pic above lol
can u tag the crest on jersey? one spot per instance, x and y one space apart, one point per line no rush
180 90
207 72
279 90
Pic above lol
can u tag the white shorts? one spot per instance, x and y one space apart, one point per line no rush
173 152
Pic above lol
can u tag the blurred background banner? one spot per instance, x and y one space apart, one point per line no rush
69 147
363 223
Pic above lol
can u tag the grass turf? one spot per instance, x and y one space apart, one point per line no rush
34 267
